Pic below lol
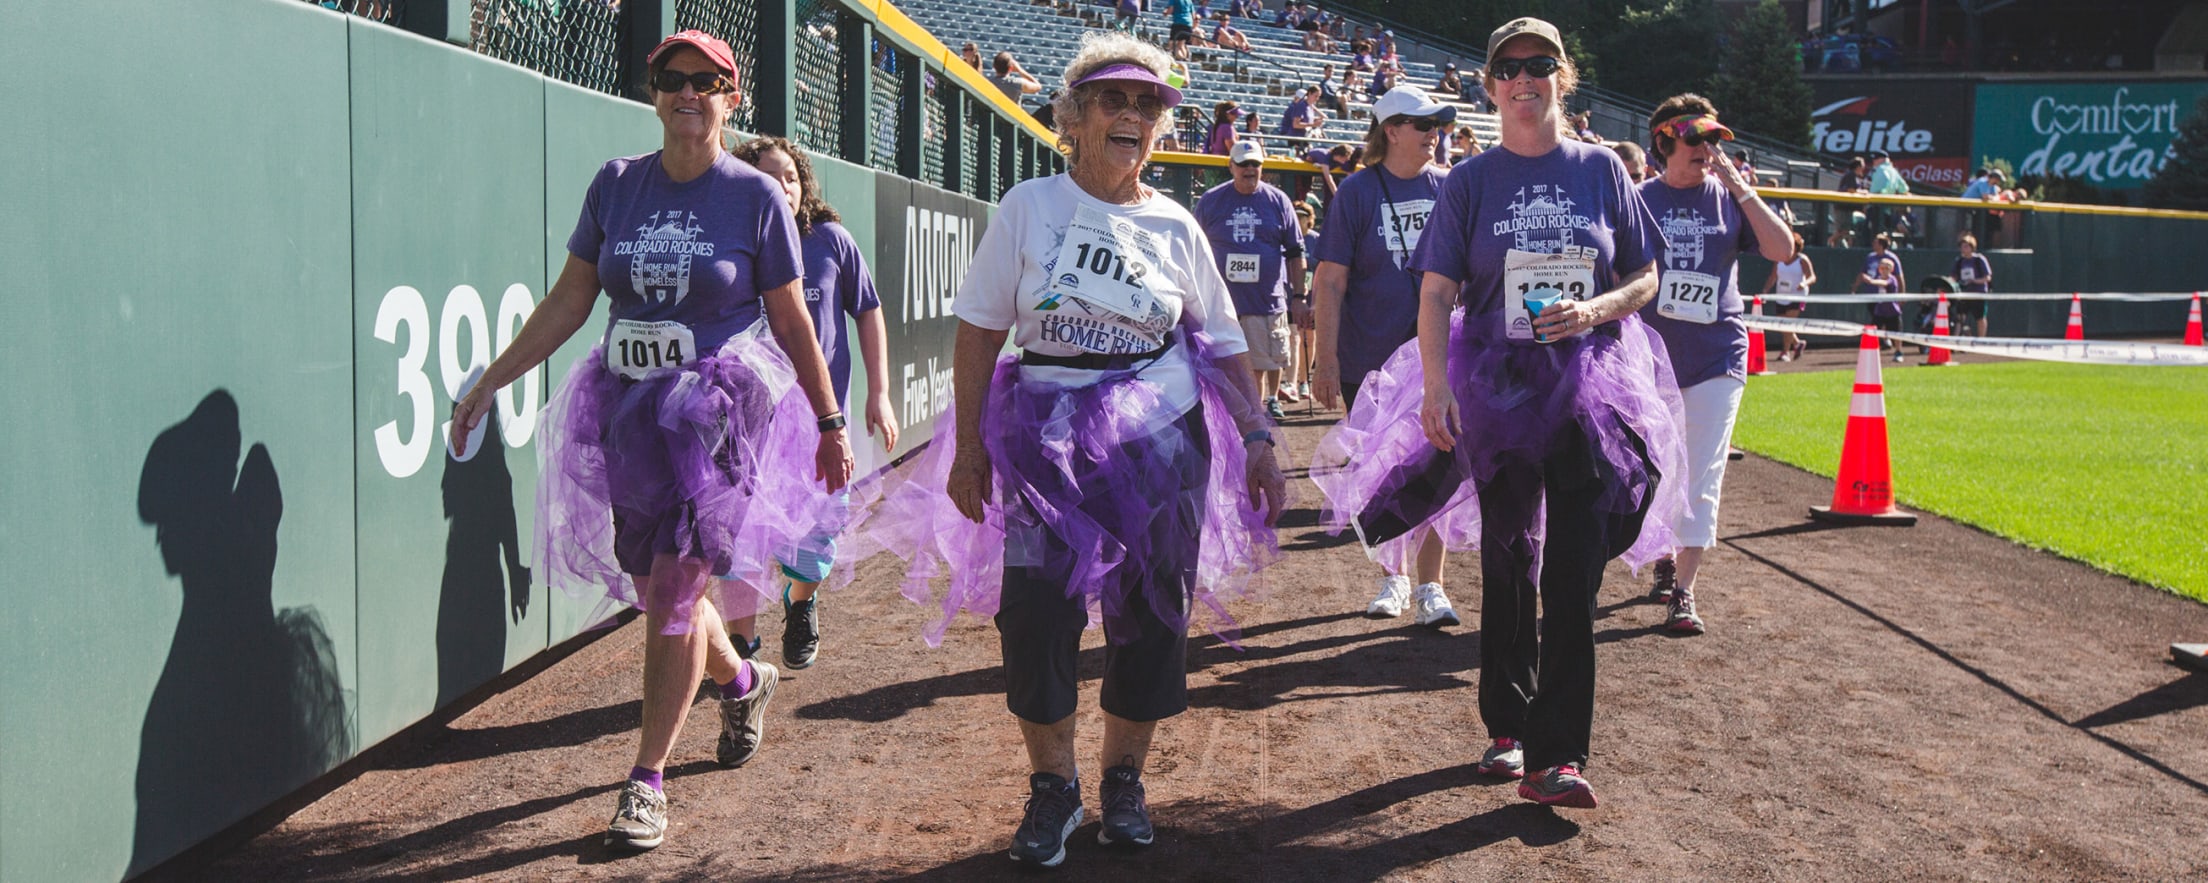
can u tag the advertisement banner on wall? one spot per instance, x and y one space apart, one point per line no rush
924 240
1923 123
2110 134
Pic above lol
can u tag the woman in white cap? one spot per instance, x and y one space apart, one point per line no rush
679 448
1118 463
1366 302
1536 413
1709 213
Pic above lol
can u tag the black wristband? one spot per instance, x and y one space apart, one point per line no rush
831 422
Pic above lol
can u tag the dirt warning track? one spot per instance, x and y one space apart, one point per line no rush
1870 703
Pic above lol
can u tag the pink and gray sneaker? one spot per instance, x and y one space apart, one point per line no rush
1506 759
1559 785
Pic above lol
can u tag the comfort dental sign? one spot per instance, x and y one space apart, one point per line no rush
2114 135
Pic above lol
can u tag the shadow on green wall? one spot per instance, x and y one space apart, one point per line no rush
249 704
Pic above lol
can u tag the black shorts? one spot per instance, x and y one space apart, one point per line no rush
1960 308
1886 323
1182 32
1039 627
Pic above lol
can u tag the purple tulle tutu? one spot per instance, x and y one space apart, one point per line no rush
1096 466
714 463
1514 400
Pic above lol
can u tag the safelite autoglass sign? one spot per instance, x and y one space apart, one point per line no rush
2114 135
1924 124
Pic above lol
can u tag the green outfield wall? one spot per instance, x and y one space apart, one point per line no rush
250 284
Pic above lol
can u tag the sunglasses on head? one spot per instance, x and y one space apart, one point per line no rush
1540 66
703 82
1114 101
1423 124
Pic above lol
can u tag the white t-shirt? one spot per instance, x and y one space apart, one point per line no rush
1118 282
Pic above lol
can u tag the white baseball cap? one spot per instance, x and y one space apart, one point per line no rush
1410 101
1246 150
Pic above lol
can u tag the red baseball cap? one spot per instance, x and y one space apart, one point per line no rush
716 50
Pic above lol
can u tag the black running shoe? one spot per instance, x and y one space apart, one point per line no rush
800 631
1126 812
1053 811
1667 581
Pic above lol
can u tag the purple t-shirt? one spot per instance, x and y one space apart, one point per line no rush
837 284
1704 232
1576 196
1974 273
1373 225
1251 238
698 252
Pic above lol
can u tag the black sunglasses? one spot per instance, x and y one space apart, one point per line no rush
703 82
1540 66
1113 101
1423 124
1249 164
1698 139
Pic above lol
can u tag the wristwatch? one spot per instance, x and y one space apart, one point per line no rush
1259 435
831 422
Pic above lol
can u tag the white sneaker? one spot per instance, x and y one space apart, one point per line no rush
1433 607
1395 597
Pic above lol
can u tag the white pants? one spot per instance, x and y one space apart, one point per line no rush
1712 407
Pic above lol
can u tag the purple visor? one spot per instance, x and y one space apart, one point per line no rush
1134 73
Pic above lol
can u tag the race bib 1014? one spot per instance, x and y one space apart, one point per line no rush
637 350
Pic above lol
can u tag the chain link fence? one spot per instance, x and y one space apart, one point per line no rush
973 167
819 115
886 88
736 21
573 40
390 12
932 134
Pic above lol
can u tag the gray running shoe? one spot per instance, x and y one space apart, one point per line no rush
1560 785
1505 758
1053 811
1126 812
744 719
1667 581
641 822
800 632
1681 618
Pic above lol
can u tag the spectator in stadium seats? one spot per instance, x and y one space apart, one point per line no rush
1258 247
1464 144
1886 180
1126 14
1853 180
1385 78
1583 127
1636 162
1383 46
1226 37
1224 116
1360 56
970 54
1330 95
1987 186
1140 395
1181 14
1882 275
1291 14
1341 160
1450 84
1303 119
1318 40
1974 275
1012 79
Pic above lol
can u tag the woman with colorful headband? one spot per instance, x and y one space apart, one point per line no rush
1119 462
1535 415
697 438
1709 213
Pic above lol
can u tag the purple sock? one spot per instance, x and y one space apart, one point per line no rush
648 777
742 684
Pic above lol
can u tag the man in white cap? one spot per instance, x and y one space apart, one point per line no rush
1366 299
1259 249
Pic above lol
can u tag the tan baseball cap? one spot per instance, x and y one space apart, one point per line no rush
1526 26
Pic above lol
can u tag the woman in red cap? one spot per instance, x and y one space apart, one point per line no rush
1119 463
703 433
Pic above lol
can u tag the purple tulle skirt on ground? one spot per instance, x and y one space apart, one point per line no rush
1094 468
713 463
1516 401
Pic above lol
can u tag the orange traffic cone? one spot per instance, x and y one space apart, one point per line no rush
2076 328
2192 323
1938 355
1756 356
1863 492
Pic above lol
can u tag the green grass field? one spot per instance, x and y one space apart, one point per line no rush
2106 465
